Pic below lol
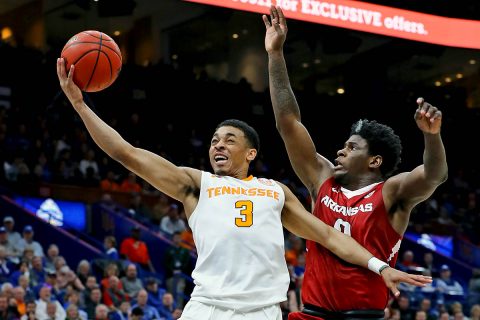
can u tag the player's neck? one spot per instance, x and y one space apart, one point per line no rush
361 182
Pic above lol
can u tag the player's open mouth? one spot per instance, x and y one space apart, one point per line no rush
220 159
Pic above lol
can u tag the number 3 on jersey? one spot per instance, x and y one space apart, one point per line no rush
342 226
246 211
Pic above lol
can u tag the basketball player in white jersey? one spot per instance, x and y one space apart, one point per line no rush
236 219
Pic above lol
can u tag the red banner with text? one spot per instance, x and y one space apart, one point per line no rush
368 17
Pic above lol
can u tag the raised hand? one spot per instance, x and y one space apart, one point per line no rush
71 90
276 29
392 278
428 117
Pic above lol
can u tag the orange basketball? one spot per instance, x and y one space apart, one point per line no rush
96 57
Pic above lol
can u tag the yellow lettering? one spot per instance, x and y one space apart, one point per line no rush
210 191
225 190
217 191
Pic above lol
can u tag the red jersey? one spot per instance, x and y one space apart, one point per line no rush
332 283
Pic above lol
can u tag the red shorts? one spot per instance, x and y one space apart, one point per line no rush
302 316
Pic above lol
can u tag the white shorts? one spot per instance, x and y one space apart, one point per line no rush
195 310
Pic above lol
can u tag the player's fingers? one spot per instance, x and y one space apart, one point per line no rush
275 13
70 72
436 116
416 280
61 68
281 17
420 101
267 23
393 288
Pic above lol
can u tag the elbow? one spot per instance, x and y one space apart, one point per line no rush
122 154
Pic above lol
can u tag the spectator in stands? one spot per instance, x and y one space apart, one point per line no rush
131 283
138 209
37 272
444 315
420 315
73 313
428 263
160 208
135 250
11 250
89 162
52 313
121 313
27 241
110 270
446 285
109 183
101 312
59 262
114 293
295 249
89 286
45 296
72 298
83 271
130 184
9 224
31 306
6 266
7 312
172 222
403 304
426 306
474 288
155 294
19 296
27 256
94 300
24 282
67 277
168 305
110 244
52 253
22 269
407 262
475 312
187 239
177 263
136 314
149 312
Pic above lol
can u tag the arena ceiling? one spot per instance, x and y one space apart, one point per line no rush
319 54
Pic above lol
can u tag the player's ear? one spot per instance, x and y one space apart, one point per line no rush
252 154
375 162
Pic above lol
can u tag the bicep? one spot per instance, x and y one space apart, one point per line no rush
410 188
161 173
310 167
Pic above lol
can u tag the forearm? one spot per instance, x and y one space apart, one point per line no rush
434 158
283 98
104 136
346 248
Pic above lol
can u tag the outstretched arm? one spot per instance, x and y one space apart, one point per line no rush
310 167
303 224
410 188
159 172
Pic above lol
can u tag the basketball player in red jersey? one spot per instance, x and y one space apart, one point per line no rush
357 194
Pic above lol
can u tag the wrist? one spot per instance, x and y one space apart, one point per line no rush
377 265
275 53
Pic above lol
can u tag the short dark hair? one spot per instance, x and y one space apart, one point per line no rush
250 133
381 141
137 311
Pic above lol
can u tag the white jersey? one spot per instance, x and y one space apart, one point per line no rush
238 234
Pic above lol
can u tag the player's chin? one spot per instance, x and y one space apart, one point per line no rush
219 171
